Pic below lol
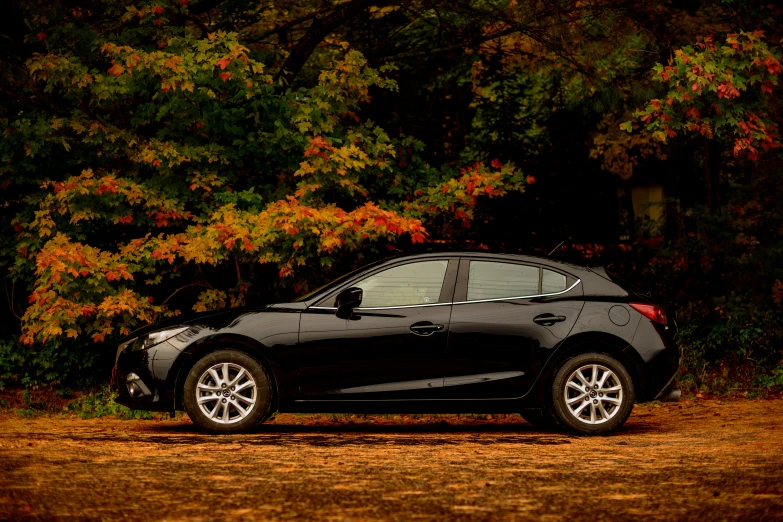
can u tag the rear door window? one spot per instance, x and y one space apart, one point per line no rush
493 280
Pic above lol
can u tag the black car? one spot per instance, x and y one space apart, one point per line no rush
468 332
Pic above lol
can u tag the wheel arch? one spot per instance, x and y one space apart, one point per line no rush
587 342
204 346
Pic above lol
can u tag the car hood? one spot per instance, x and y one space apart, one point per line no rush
187 319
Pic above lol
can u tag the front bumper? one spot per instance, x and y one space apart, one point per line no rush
142 378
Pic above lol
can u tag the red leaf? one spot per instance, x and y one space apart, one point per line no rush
530 180
496 164
223 62
773 66
489 189
225 76
418 237
157 10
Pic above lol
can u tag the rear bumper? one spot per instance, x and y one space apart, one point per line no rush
669 391
660 357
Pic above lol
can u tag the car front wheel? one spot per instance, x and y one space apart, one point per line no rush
227 392
592 394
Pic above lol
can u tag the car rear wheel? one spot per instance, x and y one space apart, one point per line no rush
592 394
227 392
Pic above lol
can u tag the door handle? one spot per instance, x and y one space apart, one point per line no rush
426 328
548 319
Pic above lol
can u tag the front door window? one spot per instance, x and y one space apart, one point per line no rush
411 284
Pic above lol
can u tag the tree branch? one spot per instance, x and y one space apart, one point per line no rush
206 285
321 27
286 26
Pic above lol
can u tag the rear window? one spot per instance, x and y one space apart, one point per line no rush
552 282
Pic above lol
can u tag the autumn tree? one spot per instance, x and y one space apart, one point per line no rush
148 154
174 155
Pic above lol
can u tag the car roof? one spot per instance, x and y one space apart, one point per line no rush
487 254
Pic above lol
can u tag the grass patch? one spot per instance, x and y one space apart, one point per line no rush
101 404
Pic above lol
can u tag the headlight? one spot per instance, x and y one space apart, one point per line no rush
151 339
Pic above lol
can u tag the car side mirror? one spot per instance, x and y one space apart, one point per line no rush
347 300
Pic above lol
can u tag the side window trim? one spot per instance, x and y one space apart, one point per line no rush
520 296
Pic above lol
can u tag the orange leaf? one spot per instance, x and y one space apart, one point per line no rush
116 69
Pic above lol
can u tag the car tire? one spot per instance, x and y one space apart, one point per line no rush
541 418
227 391
607 404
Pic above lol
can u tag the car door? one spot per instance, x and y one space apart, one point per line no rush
506 318
393 345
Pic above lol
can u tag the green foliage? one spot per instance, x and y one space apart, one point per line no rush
101 403
718 92
772 380
11 361
512 108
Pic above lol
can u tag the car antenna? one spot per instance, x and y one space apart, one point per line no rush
558 246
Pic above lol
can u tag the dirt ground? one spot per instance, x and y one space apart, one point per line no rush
694 460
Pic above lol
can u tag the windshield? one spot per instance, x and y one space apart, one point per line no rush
335 282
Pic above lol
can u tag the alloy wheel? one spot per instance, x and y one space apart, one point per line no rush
226 393
593 394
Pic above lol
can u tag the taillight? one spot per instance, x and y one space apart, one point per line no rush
652 312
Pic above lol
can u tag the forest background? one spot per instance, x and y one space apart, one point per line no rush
175 155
